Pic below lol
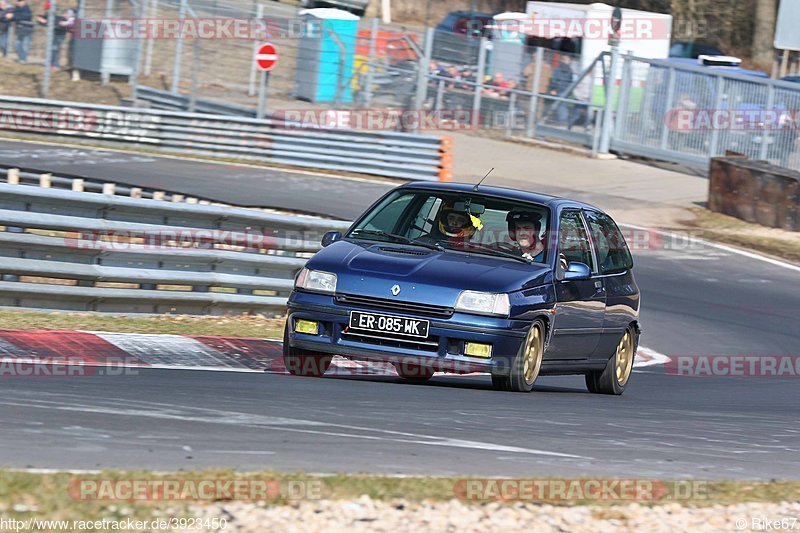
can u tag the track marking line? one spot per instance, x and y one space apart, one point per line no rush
723 247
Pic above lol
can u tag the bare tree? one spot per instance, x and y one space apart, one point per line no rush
764 32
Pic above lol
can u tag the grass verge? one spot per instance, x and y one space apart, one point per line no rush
59 496
226 326
726 229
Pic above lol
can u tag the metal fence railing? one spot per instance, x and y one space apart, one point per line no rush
84 251
689 114
283 141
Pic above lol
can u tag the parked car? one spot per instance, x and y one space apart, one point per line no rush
451 277
456 38
357 7
693 50
793 79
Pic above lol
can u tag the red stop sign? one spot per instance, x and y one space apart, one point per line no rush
267 56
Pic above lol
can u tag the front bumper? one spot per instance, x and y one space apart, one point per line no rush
443 350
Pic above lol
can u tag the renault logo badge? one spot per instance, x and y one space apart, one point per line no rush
395 290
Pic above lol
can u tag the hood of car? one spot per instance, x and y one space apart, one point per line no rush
421 275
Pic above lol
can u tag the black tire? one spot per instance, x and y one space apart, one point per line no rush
615 376
527 364
414 373
307 364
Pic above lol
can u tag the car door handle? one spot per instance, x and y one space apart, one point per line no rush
598 285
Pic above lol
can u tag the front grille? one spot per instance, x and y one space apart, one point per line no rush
431 344
394 305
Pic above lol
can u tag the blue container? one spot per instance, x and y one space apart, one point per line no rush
325 56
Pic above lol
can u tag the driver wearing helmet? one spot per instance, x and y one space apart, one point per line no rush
457 226
524 228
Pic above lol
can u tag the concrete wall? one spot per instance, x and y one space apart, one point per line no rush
755 191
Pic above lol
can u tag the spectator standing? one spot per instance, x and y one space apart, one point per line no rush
22 18
560 81
63 24
4 27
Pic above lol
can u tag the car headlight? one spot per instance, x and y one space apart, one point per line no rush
483 303
316 281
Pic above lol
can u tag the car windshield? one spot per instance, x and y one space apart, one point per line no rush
470 223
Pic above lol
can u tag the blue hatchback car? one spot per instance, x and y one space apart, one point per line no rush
449 277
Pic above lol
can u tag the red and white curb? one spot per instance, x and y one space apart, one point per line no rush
180 352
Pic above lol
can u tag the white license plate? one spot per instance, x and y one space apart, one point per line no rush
392 325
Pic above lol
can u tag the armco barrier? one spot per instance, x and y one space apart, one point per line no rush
379 153
94 252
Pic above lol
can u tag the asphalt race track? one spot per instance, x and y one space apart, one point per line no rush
697 300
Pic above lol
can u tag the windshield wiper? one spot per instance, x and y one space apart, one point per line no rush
399 238
488 250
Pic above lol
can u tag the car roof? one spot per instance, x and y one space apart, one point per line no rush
501 192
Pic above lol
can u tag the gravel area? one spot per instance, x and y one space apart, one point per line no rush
365 514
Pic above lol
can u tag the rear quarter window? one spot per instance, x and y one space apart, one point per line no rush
610 246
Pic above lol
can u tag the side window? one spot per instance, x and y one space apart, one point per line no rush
386 219
426 217
610 247
572 239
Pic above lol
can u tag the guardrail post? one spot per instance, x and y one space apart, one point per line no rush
195 75
533 108
159 195
718 96
251 84
191 200
424 66
77 185
177 198
608 113
148 60
373 48
12 176
479 76
620 125
45 180
109 189
136 192
670 95
439 96
176 64
512 113
763 153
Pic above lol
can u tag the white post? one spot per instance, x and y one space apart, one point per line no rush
148 60
386 11
251 86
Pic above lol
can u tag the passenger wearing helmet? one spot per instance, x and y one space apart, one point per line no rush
524 228
457 226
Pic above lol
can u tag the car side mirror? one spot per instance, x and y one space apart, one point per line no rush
331 237
577 271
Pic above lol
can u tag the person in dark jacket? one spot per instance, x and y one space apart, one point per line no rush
4 27
63 24
22 18
562 78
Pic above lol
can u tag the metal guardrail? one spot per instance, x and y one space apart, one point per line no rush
94 252
169 101
283 142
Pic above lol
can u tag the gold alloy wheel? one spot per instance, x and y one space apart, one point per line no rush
533 353
624 358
